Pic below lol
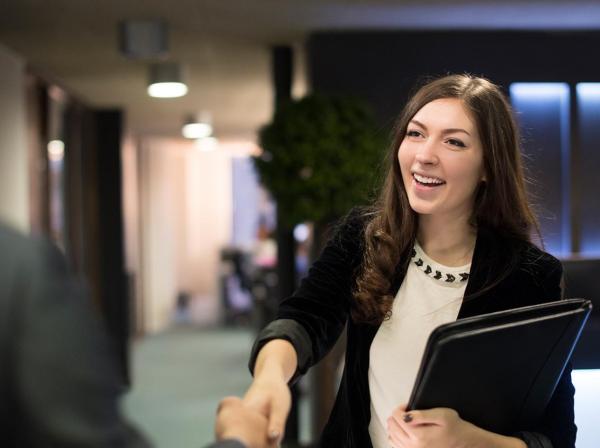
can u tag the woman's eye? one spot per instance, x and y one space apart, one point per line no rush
455 142
412 133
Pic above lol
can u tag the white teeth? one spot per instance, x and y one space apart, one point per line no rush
427 180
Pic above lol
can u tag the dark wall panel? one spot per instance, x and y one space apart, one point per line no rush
382 67
113 281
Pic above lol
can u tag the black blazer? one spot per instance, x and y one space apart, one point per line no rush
313 318
59 386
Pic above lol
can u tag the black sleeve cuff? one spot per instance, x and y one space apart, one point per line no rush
291 331
534 439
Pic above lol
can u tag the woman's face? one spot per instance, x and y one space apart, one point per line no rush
441 160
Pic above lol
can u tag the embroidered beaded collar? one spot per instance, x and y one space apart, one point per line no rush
436 271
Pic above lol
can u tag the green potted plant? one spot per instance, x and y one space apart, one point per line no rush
321 157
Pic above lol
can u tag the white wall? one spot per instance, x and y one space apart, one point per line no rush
587 394
14 199
185 219
208 220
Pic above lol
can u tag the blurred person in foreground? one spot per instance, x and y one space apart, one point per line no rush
59 385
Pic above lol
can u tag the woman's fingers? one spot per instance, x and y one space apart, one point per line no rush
435 416
273 400
396 434
280 408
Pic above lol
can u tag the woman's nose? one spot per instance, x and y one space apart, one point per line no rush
426 153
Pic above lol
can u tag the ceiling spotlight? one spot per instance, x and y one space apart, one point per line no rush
206 144
196 127
166 81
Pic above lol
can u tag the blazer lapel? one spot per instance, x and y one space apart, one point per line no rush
491 257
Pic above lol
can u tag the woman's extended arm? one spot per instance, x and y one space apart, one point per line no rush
269 393
276 358
307 326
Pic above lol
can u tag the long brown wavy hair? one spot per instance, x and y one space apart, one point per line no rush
500 201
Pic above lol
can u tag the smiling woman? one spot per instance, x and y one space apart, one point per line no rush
441 164
449 237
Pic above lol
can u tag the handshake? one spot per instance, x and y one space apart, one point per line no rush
238 422
258 421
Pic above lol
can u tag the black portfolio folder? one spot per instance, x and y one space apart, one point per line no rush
499 370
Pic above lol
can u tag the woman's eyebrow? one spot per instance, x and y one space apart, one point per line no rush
445 131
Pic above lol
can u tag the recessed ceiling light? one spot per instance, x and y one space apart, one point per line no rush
165 81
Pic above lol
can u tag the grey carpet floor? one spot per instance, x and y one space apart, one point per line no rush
179 376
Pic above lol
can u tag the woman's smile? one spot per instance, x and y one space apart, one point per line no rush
426 183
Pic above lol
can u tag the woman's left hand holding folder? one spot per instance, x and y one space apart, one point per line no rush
441 428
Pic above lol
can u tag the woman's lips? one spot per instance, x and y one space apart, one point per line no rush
426 183
421 188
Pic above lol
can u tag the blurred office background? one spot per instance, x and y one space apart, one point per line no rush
174 234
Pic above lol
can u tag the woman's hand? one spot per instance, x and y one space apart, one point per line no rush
441 428
270 395
433 428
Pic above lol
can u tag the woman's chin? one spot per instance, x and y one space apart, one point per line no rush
421 208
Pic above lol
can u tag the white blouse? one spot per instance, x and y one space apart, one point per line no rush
430 295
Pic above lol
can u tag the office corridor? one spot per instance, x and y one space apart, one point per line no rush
179 376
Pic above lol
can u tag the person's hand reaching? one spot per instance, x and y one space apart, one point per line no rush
239 422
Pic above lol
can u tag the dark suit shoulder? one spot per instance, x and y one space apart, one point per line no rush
27 255
31 271
541 271
538 263
508 272
23 261
522 256
350 228
347 234
355 220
